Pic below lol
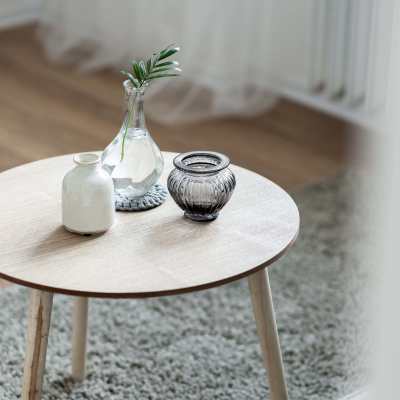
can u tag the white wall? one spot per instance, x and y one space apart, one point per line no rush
15 12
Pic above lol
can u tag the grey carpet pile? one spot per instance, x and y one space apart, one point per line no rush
204 345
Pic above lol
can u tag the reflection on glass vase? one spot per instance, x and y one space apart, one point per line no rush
133 159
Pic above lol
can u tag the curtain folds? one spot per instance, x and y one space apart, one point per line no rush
225 49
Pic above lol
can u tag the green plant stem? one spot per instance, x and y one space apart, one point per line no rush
128 122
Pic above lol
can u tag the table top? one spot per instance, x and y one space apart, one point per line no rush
149 253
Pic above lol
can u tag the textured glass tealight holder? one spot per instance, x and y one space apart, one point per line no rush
201 184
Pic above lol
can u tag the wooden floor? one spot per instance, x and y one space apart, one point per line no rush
48 109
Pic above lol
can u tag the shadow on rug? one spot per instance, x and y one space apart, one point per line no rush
204 345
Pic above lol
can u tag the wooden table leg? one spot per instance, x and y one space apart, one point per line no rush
79 336
267 331
38 330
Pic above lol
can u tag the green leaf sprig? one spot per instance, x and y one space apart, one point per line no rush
142 72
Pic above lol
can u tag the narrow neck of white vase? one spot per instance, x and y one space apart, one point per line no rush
89 161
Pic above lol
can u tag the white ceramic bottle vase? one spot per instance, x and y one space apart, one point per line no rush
87 196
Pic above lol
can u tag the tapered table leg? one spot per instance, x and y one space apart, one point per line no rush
38 330
267 331
79 338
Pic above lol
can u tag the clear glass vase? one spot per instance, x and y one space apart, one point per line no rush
133 159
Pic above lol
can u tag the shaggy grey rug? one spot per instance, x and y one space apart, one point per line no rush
204 345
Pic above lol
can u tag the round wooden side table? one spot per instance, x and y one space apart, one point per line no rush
152 253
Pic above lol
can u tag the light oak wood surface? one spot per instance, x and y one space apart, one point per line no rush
264 315
152 253
49 109
79 337
41 304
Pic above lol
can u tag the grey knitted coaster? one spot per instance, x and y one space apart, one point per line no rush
153 198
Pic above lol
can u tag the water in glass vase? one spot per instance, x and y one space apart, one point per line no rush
133 159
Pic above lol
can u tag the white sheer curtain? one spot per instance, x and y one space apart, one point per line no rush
225 56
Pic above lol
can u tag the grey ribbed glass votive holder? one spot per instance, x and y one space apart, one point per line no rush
201 184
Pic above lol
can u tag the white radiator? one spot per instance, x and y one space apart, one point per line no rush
347 57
